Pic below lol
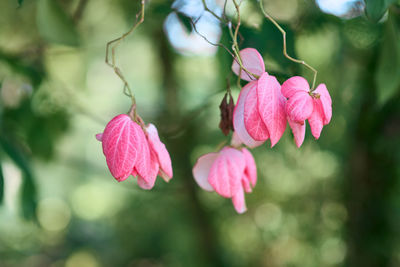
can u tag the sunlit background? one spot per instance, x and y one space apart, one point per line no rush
320 205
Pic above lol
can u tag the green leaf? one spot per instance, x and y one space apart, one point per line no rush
376 8
1 184
388 72
54 24
20 2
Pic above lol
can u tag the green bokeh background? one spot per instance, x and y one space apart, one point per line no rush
333 202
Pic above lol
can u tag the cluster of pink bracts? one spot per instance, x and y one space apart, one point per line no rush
133 150
262 112
264 106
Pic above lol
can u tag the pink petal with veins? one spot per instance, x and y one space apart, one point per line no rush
251 169
226 172
299 107
160 150
326 102
271 105
316 119
148 182
252 61
252 120
239 201
294 85
201 170
120 146
99 137
238 118
298 130
142 165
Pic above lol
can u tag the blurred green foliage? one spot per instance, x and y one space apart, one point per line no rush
54 24
334 202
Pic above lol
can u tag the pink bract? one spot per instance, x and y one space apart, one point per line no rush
252 120
160 152
125 146
294 85
226 172
271 106
299 131
326 102
238 117
299 107
252 61
229 173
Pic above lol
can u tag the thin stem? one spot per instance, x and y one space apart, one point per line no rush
210 11
235 46
238 21
115 43
284 45
207 40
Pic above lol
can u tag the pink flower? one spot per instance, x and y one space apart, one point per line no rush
230 173
131 151
302 104
259 114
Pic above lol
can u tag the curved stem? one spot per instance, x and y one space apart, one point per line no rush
284 45
235 46
115 43
210 11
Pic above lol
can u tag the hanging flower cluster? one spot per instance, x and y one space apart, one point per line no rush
264 106
262 111
131 148
230 173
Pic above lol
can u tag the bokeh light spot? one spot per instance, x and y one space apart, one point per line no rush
82 258
53 214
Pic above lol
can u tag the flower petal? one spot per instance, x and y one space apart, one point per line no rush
238 118
271 105
119 146
299 107
252 119
317 119
142 165
239 202
99 137
161 151
251 169
227 171
201 170
252 61
148 182
326 102
294 85
298 130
